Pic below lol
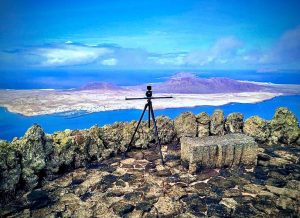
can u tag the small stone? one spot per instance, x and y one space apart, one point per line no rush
229 202
203 189
218 210
121 208
128 177
133 196
109 179
38 199
86 196
167 207
293 184
144 206
228 193
284 191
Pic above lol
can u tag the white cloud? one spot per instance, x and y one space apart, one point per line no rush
109 62
286 50
225 53
70 55
221 52
175 59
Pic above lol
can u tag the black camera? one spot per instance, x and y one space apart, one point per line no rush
149 92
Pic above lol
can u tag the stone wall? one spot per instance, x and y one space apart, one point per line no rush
26 161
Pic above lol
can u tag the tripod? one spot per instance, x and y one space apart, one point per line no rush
148 106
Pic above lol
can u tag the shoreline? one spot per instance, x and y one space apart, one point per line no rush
14 125
50 103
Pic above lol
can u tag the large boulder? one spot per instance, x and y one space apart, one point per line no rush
94 143
72 149
284 127
218 151
34 150
116 137
203 121
10 168
186 125
217 123
234 123
258 128
166 129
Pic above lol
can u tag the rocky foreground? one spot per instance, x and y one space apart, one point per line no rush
82 173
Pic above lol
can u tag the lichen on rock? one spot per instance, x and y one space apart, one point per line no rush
234 123
186 125
203 121
258 128
10 169
284 127
217 123
166 129
33 148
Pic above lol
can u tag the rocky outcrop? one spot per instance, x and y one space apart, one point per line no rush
234 123
34 149
166 130
36 157
203 121
217 123
141 187
10 169
186 125
258 128
284 127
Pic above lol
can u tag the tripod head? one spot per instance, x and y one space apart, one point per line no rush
148 95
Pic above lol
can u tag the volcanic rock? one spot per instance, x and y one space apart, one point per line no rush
218 151
10 169
34 149
186 125
257 128
234 123
203 121
284 127
217 123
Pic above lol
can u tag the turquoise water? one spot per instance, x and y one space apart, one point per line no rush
15 125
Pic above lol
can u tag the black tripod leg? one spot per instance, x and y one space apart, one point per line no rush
145 108
156 133
149 114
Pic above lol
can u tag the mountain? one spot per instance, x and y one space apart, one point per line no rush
189 83
192 84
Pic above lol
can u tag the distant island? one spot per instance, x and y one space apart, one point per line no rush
187 89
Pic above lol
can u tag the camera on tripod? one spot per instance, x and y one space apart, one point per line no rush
149 92
149 106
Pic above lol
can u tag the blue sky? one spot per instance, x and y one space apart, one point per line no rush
179 34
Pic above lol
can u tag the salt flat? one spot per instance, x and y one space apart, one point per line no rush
41 102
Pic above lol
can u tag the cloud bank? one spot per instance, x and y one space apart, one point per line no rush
227 52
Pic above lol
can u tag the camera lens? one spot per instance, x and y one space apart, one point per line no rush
149 94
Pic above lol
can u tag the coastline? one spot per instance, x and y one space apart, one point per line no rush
14 125
53 102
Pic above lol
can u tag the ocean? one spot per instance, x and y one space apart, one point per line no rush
15 125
